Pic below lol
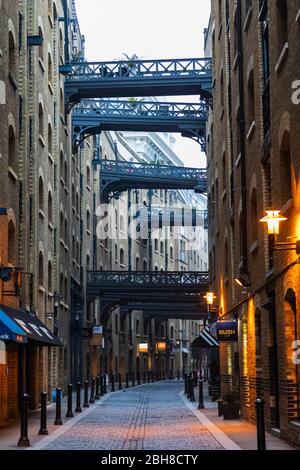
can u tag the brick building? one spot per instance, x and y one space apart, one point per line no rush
253 165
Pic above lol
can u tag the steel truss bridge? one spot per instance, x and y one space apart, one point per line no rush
122 287
90 117
119 176
160 217
168 77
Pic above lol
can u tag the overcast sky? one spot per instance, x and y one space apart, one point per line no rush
151 29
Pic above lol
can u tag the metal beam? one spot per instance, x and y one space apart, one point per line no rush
119 176
168 77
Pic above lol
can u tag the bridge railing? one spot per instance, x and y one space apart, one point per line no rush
115 279
123 168
119 70
141 109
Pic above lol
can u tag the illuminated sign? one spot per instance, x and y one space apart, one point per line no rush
143 348
227 331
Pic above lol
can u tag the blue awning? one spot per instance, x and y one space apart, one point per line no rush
10 331
20 326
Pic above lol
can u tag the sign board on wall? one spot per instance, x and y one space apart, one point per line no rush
227 331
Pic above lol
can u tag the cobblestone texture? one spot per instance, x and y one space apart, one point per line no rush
150 417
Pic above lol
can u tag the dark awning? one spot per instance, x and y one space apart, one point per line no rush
205 340
17 325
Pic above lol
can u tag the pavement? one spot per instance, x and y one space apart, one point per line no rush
147 417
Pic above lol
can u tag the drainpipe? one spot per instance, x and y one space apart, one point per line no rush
242 138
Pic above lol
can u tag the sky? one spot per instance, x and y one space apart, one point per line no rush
150 29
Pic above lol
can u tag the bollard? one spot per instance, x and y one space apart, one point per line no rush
120 381
138 377
105 383
58 420
69 410
192 391
127 380
185 384
178 375
148 377
260 424
78 398
201 404
112 381
144 377
133 379
97 396
24 441
86 394
43 429
92 396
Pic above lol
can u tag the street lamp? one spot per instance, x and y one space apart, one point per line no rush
273 220
56 298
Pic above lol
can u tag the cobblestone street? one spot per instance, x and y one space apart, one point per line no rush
149 417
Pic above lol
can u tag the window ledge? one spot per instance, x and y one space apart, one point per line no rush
66 190
251 130
222 113
50 226
282 57
238 160
50 88
248 19
62 181
235 62
41 64
295 423
62 119
42 214
51 159
42 289
13 81
88 232
298 17
12 174
223 197
50 19
254 247
220 31
41 140
88 187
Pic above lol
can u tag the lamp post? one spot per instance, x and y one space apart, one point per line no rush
273 218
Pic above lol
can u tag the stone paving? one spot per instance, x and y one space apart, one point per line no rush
149 417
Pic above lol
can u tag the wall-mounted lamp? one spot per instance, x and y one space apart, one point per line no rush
273 220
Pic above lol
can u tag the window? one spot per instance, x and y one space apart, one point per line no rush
41 269
12 63
50 139
41 194
50 69
88 220
88 176
156 244
122 225
172 332
222 97
137 264
50 276
66 230
162 331
224 171
41 47
116 252
66 174
171 253
282 24
61 228
12 245
137 327
161 247
41 120
251 99
12 152
220 12
122 257
73 195
88 262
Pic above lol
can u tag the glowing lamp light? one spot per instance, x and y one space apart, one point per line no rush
161 346
143 348
273 219
210 297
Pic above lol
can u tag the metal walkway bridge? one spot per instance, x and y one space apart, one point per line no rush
93 116
119 176
122 287
164 311
171 217
168 77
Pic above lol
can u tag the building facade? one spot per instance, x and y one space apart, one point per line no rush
253 166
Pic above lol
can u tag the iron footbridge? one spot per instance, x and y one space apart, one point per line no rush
127 78
91 117
119 176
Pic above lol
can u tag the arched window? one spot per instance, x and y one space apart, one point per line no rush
66 175
137 327
162 331
251 99
73 195
156 268
12 63
282 24
61 228
88 220
50 207
122 225
73 246
50 69
171 253
41 194
122 257
285 168
66 290
88 261
41 47
50 139
161 247
66 231
41 269
12 244
88 176
50 276
156 244
172 332
116 252
41 120
12 151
